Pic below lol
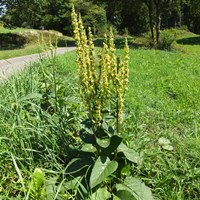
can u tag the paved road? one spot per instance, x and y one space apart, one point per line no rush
13 65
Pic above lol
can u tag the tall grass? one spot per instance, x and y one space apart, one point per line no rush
29 132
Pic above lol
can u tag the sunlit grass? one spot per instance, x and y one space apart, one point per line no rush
26 50
13 30
162 101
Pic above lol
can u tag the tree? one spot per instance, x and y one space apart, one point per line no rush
22 12
126 14
156 10
93 14
195 15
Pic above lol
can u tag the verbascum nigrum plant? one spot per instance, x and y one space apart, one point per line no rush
103 76
102 159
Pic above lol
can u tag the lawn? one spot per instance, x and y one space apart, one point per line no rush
162 103
26 50
13 30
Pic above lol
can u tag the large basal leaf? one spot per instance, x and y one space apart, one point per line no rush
115 141
88 148
130 154
86 133
73 184
51 187
103 168
101 194
104 143
132 189
87 136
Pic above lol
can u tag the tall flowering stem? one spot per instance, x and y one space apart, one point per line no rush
102 75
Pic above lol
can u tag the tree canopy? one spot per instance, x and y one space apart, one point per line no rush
134 16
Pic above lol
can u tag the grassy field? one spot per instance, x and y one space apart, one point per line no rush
162 103
14 30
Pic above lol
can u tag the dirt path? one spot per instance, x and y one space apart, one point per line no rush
12 65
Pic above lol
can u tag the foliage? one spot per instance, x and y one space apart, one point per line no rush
37 186
167 38
136 15
93 15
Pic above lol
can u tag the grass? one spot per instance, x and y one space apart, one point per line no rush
162 102
14 30
20 41
26 50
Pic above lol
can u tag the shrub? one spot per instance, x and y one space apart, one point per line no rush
167 38
10 40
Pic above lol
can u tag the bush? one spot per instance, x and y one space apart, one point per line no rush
10 40
167 38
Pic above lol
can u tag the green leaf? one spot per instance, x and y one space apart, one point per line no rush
130 154
114 197
86 133
115 141
104 143
163 141
77 164
37 186
38 179
125 170
133 189
168 147
103 168
87 136
73 184
108 129
101 194
31 96
51 187
123 193
88 148
165 144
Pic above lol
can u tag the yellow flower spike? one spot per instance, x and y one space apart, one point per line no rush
111 42
105 77
101 76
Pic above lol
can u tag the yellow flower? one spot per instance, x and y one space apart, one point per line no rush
101 76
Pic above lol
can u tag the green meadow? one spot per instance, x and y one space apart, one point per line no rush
161 122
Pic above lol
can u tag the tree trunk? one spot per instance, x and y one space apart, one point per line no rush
180 14
158 24
158 20
149 4
151 19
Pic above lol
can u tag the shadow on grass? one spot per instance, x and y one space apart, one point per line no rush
10 41
98 42
190 41
119 43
